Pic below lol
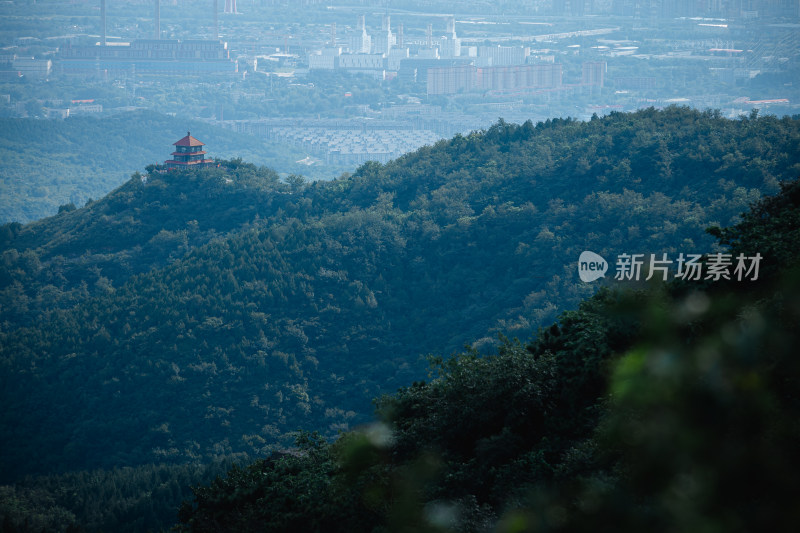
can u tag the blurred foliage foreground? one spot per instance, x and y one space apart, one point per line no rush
663 408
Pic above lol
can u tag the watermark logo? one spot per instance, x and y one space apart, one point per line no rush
591 266
689 267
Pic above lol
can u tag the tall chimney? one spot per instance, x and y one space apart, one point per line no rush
103 19
158 20
400 35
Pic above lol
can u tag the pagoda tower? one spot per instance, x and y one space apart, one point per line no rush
188 153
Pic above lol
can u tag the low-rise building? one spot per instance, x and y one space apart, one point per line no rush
156 57
33 68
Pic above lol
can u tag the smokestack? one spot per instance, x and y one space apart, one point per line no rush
333 35
400 35
103 19
216 20
361 23
158 20
429 35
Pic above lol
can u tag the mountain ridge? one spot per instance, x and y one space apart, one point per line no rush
295 303
45 164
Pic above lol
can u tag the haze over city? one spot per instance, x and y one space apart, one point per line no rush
355 81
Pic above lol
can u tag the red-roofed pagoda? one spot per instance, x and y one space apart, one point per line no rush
188 153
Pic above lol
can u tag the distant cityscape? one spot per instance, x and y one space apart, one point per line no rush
422 74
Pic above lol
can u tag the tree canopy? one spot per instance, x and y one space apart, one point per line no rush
189 316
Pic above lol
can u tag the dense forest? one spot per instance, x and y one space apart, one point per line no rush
672 408
129 499
48 163
192 316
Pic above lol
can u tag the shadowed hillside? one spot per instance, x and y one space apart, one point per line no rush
212 313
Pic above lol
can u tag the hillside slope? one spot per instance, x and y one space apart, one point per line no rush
667 408
213 313
48 163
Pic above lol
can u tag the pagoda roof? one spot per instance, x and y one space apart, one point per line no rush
188 141
201 152
188 163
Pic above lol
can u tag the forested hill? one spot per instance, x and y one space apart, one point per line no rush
672 408
48 163
213 312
